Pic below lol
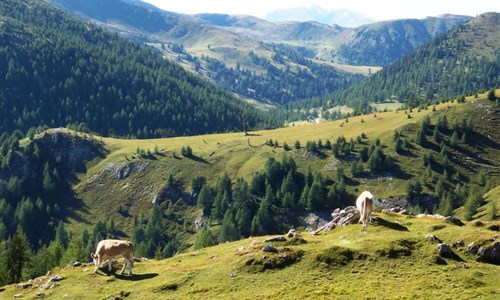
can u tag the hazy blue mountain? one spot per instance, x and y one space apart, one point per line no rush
344 18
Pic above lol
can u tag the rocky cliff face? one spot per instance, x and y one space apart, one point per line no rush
68 150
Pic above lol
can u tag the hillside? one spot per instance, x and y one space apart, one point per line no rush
461 61
84 77
264 62
154 192
392 259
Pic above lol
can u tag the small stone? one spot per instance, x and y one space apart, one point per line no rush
76 264
433 238
494 227
269 248
478 223
454 220
24 285
276 239
472 248
56 278
292 233
445 250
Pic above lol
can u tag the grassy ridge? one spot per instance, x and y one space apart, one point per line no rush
242 156
390 260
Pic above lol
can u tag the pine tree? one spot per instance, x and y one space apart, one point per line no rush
263 222
205 200
205 238
316 197
454 139
62 234
473 202
18 255
228 231
48 183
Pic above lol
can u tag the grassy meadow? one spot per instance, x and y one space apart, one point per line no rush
391 259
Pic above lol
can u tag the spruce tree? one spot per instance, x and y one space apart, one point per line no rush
17 256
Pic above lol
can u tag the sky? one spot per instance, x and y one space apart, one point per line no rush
376 9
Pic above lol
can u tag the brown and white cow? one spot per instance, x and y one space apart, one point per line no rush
107 249
364 203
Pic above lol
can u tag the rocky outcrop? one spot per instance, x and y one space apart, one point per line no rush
490 254
341 217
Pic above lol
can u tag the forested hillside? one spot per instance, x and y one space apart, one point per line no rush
176 194
461 61
264 62
58 71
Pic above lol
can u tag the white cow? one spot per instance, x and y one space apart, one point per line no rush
107 249
364 203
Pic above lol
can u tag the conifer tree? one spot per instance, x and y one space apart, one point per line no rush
17 256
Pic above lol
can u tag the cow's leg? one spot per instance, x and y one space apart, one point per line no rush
97 263
124 265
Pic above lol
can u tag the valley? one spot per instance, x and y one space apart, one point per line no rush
198 137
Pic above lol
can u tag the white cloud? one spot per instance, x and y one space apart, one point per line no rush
378 9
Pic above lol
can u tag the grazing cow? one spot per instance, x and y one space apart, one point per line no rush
113 248
364 203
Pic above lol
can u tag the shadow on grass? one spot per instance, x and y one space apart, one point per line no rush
136 277
391 225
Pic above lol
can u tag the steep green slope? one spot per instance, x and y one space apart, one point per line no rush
59 71
461 61
135 180
391 259
435 159
383 43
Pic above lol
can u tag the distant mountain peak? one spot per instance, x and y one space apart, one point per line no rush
344 18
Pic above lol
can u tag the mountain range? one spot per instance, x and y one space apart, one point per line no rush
246 55
341 17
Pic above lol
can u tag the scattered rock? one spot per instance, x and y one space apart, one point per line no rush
40 294
438 260
472 248
76 264
18 296
232 275
433 238
292 233
313 221
490 254
459 243
24 285
478 223
56 278
395 202
275 239
494 227
269 248
444 250
454 220
395 209
344 217
240 248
